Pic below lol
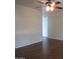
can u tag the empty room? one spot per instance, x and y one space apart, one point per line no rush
38 29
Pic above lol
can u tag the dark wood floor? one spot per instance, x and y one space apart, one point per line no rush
35 51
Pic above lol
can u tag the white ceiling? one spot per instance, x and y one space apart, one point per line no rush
31 3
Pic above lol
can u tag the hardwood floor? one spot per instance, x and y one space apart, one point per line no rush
35 51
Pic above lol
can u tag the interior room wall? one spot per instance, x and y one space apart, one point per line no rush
55 24
28 26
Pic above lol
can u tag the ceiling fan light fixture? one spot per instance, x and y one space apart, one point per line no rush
51 8
52 4
47 8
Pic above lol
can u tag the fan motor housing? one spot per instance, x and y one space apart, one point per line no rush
48 3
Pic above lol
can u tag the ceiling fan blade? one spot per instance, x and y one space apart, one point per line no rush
58 7
58 2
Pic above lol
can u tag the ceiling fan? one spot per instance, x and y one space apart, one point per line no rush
51 5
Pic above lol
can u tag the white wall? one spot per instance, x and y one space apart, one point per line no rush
28 26
55 25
